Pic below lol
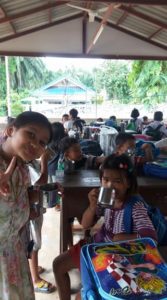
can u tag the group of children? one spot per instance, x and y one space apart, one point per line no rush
26 139
156 129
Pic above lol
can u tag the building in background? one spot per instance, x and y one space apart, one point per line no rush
61 93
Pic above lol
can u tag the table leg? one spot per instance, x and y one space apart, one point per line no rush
63 227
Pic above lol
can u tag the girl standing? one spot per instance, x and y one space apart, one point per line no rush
25 141
116 173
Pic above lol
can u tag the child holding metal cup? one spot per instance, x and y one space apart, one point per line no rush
116 173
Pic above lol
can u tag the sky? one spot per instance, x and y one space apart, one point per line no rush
54 63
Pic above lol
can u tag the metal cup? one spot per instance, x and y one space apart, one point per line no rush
46 195
49 195
106 197
69 167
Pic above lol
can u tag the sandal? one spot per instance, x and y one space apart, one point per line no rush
40 270
44 287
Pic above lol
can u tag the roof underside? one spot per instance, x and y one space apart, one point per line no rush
110 29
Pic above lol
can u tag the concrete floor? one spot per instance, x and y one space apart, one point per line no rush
49 250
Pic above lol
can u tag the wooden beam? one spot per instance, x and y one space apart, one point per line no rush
49 13
122 18
76 55
84 35
154 33
101 27
138 36
140 15
4 15
31 11
41 27
143 2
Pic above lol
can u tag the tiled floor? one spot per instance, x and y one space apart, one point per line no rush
50 249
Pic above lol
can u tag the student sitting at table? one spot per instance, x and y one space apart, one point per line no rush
71 153
117 173
157 126
71 159
139 150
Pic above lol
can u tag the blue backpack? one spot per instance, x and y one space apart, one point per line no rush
157 218
105 272
156 169
90 147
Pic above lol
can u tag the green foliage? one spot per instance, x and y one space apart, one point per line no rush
86 78
2 79
3 108
26 74
16 109
138 82
148 81
113 78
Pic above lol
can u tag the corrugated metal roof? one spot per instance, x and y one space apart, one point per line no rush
22 16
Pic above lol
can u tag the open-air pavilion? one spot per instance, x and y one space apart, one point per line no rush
135 29
125 29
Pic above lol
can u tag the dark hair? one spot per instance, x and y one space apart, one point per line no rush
66 143
65 116
123 164
145 118
58 132
99 120
79 123
32 117
113 118
73 112
10 120
158 116
134 113
123 137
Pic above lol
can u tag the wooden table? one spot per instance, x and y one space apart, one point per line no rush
76 189
75 200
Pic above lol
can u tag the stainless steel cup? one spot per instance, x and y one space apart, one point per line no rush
69 167
106 197
45 195
49 195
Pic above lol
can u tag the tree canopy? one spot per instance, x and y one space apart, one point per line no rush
125 81
148 81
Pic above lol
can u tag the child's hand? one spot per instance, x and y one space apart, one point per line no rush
44 168
60 189
93 197
47 154
118 237
5 176
100 160
34 213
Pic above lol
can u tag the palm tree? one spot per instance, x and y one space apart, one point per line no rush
26 72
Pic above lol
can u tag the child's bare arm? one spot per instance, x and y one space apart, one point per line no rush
124 236
99 160
88 218
44 167
5 176
148 152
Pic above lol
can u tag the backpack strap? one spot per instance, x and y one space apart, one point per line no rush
149 127
158 127
127 217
